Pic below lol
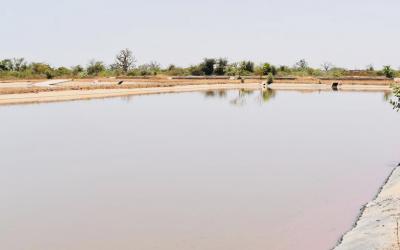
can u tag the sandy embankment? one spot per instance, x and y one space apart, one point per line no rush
68 95
379 222
79 90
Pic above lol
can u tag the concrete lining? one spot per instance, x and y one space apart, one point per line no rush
377 227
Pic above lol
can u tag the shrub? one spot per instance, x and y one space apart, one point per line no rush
49 74
63 71
6 65
154 67
40 68
95 67
259 71
388 72
232 69
132 73
284 70
77 70
151 68
270 78
196 71
268 68
175 71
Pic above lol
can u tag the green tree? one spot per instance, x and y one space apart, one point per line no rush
388 71
268 68
246 66
63 71
76 70
6 65
171 67
95 67
221 66
232 69
41 69
207 66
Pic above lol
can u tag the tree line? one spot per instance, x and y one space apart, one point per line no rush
125 65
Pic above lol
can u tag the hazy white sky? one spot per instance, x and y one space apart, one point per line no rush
349 33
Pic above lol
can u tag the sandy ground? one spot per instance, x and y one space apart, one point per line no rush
378 225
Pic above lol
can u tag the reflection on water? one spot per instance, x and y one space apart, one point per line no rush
262 96
180 171
387 95
267 94
215 93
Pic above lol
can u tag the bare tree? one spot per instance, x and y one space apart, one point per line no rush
327 66
302 64
125 60
19 64
370 67
154 66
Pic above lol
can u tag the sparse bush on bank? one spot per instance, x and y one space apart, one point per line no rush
388 72
124 65
270 78
196 70
172 70
95 68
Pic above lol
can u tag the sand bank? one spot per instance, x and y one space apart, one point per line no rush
68 95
